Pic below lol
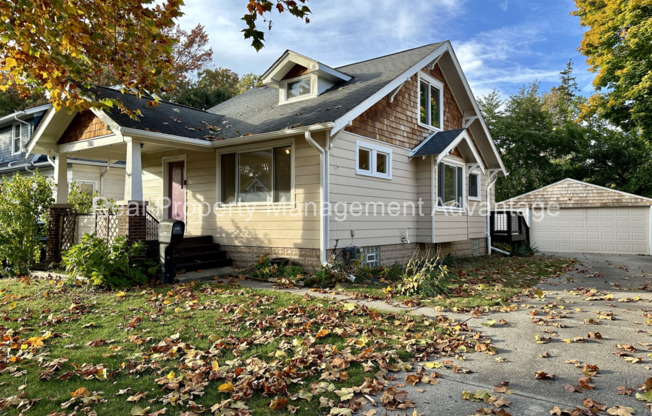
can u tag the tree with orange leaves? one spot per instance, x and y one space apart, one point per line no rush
62 47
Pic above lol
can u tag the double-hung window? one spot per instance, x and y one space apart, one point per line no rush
431 113
474 186
19 135
373 160
257 176
450 186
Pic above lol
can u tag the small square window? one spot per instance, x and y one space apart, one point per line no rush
474 186
373 160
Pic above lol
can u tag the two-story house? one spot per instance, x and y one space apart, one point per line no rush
389 154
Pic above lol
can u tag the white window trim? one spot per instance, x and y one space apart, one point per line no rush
437 84
477 197
253 148
464 197
283 89
373 149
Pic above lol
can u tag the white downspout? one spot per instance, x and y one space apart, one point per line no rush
491 184
323 196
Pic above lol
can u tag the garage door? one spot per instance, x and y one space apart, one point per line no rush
593 230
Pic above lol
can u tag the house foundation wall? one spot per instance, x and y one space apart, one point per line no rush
308 258
245 256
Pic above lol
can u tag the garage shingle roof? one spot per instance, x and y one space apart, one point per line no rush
571 193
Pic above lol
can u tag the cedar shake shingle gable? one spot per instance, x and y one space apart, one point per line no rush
571 193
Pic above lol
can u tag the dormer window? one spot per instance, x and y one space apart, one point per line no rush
300 78
297 88
431 113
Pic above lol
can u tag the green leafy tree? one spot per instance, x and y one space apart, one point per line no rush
81 199
618 47
524 132
249 81
24 200
202 98
219 79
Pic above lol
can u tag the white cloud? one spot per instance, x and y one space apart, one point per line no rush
346 31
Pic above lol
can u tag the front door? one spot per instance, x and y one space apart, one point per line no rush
176 191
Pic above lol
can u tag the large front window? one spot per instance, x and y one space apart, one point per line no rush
450 186
430 102
257 176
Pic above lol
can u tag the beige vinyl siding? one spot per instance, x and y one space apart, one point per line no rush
348 187
425 181
228 224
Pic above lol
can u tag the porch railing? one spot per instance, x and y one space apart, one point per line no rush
151 226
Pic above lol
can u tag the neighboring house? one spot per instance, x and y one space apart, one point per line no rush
91 175
389 154
571 216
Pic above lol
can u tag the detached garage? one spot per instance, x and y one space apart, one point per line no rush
578 217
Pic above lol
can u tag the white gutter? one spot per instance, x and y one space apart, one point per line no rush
169 138
492 181
323 196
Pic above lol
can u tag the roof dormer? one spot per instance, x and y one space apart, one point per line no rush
299 78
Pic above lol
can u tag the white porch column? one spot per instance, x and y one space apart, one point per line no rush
133 172
61 176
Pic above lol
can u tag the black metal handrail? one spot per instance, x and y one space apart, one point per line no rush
151 226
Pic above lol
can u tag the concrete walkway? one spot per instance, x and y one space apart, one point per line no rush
620 320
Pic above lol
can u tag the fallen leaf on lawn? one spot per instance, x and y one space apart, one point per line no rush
277 403
225 388
137 397
81 392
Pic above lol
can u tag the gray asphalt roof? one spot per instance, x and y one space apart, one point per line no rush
168 118
258 110
437 142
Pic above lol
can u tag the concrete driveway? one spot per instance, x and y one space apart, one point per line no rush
568 311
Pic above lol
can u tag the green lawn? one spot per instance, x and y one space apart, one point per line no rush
193 347
488 281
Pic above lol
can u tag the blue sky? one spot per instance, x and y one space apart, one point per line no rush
501 44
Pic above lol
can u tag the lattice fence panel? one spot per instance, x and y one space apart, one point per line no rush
68 230
106 226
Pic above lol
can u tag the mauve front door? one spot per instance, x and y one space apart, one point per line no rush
176 191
